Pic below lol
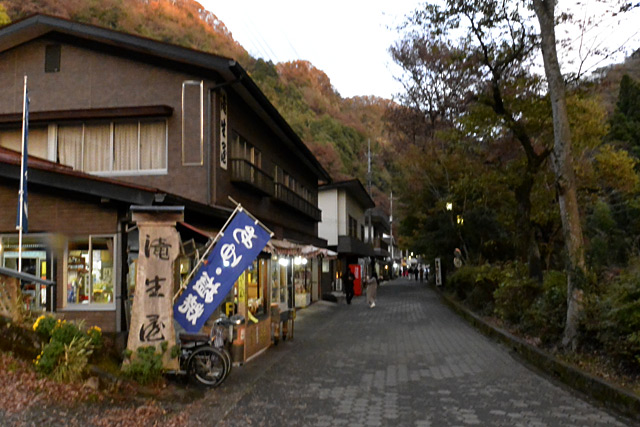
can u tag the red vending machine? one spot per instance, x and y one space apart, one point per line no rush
356 269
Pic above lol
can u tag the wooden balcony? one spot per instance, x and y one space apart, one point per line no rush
288 197
250 176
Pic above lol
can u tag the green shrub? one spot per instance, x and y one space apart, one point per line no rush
475 286
145 365
65 356
74 359
462 280
515 294
48 360
546 317
613 315
481 298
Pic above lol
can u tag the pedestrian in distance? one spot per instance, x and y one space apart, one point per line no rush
348 286
421 272
415 273
372 289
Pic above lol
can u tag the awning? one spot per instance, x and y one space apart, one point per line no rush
197 230
287 248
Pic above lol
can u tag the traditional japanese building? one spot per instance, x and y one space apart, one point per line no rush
141 117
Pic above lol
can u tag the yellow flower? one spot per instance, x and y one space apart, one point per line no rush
37 322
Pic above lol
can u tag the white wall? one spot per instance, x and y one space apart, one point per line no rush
329 227
336 206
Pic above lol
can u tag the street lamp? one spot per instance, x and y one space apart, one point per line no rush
449 206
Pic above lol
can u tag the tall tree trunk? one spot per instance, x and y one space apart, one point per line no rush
563 165
527 242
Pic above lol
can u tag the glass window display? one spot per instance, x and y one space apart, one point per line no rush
279 281
90 266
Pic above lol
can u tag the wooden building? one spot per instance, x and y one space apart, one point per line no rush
179 125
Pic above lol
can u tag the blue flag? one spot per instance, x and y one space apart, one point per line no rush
22 220
241 242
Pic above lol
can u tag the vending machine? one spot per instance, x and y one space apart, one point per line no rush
356 269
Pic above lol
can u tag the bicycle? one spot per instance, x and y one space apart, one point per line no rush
205 358
202 362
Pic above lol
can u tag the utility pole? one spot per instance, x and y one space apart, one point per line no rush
369 230
393 260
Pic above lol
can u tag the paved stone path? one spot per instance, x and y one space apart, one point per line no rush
409 361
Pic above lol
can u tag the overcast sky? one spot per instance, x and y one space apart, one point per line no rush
349 39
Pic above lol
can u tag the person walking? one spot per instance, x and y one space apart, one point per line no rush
348 286
372 289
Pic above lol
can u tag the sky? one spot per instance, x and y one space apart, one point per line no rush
349 39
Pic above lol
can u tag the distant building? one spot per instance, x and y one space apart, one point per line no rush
343 223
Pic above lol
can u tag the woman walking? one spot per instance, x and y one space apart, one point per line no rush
372 289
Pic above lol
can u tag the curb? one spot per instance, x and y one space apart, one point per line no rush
610 395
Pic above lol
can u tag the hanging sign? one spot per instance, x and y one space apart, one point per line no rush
241 242
223 130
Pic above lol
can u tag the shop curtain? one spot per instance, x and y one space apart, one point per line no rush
153 143
97 148
70 146
125 147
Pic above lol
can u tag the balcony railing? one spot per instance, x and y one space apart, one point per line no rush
293 200
249 175
379 243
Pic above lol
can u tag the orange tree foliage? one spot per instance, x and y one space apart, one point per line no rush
182 22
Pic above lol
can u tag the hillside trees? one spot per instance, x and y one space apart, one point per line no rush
475 76
180 22
4 18
625 123
505 115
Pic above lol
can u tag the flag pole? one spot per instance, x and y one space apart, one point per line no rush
22 168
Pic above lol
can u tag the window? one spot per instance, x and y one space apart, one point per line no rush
36 260
114 147
90 271
279 281
242 149
353 227
255 279
192 123
38 143
52 58
284 178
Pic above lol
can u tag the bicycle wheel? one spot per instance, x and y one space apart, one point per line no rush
208 366
227 356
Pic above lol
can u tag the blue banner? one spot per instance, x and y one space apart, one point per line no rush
241 242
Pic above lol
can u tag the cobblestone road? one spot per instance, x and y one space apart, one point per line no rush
407 362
